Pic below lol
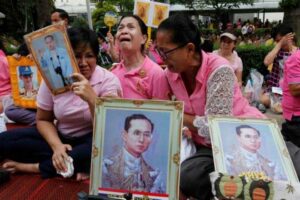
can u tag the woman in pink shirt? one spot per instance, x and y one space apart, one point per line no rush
46 148
227 46
207 85
5 87
140 77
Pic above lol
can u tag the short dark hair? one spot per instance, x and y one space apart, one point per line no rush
49 36
62 13
142 26
183 30
84 36
136 116
238 129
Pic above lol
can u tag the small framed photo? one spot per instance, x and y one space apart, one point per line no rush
243 146
136 146
25 81
53 55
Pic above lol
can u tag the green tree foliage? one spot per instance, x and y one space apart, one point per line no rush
219 5
23 16
99 12
289 4
292 14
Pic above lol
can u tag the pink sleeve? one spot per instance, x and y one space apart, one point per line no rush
293 69
44 98
110 86
160 86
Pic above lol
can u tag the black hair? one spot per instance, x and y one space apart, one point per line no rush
283 29
2 47
183 30
84 36
238 129
62 13
136 116
23 50
142 26
49 36
208 46
100 35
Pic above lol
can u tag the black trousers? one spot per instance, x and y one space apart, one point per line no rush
291 130
26 145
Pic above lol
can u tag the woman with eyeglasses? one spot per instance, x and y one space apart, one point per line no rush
207 85
227 46
140 77
64 122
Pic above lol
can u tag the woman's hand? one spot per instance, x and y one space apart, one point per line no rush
287 39
110 38
83 89
60 156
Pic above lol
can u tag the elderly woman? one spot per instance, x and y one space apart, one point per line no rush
207 85
227 46
46 148
140 77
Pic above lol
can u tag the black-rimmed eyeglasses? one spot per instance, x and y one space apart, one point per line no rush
164 54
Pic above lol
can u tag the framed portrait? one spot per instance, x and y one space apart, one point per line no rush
243 146
25 81
53 55
136 146
152 13
141 9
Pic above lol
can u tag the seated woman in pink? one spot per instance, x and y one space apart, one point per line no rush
5 87
227 46
140 77
207 85
64 122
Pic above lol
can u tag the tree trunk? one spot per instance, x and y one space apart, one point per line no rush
43 12
292 19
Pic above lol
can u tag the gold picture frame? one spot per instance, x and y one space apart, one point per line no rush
112 144
25 81
52 52
250 147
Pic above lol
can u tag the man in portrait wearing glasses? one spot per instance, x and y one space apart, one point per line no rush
247 158
55 63
128 170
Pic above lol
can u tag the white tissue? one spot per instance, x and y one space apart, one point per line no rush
70 168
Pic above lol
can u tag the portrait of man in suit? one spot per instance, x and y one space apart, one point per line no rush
27 88
247 157
127 169
55 63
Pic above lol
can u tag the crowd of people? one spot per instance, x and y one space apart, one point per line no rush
207 83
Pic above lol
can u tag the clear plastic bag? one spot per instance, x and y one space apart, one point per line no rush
253 87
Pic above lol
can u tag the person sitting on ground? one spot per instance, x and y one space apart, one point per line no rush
285 46
227 50
46 148
140 77
291 99
5 86
207 85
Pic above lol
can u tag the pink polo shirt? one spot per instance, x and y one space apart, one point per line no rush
5 87
145 82
291 75
201 103
72 113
